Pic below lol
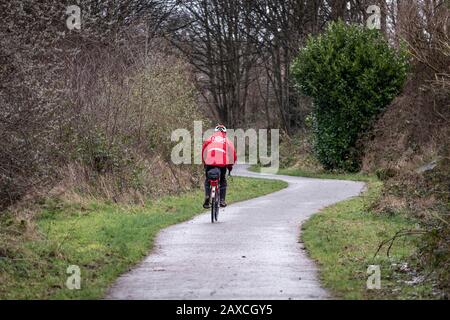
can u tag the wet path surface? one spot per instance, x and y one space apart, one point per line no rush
253 252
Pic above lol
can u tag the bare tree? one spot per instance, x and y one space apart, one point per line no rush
210 34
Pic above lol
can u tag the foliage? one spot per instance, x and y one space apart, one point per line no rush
352 75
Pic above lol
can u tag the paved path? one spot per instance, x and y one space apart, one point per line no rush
252 253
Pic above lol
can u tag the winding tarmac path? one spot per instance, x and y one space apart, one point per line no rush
253 252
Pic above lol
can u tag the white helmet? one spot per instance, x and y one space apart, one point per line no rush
220 127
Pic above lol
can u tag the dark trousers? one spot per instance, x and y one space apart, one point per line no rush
222 182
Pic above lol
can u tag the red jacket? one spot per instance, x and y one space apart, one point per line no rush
218 151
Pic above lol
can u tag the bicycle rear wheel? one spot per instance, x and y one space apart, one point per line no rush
217 205
213 209
213 205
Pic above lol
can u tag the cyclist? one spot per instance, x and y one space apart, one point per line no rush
218 152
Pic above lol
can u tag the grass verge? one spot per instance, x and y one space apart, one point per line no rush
344 238
320 175
103 239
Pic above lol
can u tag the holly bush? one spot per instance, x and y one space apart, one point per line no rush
352 74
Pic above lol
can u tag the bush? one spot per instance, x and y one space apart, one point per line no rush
352 75
90 111
121 139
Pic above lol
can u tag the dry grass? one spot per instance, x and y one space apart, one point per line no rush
414 130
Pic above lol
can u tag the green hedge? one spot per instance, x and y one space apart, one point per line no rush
352 74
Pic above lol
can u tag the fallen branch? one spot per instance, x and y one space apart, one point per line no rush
398 234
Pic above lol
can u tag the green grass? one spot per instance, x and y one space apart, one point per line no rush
103 239
344 238
320 175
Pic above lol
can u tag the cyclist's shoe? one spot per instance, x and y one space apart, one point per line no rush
206 204
223 204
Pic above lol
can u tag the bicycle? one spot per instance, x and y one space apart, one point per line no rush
214 181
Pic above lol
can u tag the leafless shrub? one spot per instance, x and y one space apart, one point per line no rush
79 96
